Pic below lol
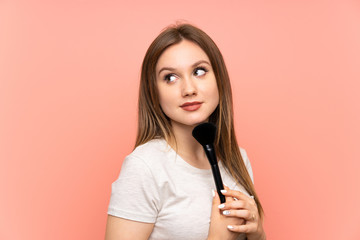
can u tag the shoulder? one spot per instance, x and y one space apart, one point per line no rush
151 154
247 163
244 156
154 146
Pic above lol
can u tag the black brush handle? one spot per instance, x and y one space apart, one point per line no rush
210 154
218 181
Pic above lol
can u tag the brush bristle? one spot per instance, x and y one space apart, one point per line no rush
205 133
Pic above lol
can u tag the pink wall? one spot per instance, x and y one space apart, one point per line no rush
69 75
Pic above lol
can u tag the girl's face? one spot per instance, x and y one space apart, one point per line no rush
186 83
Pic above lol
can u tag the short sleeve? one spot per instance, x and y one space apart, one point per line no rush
247 163
134 195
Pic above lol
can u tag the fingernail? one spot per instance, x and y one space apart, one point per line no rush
221 206
230 227
213 192
226 212
223 191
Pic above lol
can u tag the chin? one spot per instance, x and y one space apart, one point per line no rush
195 122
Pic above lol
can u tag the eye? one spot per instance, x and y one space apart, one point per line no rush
170 78
200 71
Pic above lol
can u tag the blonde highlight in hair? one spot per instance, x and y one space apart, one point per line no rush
153 123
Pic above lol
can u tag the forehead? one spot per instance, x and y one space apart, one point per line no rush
181 55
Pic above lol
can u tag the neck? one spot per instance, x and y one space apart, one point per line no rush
187 147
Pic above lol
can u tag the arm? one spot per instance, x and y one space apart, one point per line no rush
123 229
127 218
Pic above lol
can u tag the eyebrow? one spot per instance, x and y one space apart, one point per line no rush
194 65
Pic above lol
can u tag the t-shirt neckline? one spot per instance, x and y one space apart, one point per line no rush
180 161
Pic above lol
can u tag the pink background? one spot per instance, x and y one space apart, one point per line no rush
69 73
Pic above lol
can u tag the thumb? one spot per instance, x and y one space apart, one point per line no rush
216 200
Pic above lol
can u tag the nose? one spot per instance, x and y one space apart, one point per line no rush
189 87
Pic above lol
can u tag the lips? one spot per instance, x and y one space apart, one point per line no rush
191 106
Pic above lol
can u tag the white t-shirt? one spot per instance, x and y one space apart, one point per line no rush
156 185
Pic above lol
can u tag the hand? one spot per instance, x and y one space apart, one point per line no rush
218 222
244 207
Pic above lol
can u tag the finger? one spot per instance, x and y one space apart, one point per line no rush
239 204
229 198
246 228
245 214
237 194
216 200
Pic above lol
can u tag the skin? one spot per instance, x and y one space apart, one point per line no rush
184 74
241 206
123 229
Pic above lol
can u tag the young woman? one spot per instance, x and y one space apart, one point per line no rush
165 187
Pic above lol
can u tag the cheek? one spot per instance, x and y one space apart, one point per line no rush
164 99
214 92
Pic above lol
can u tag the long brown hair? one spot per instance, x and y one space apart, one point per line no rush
153 123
